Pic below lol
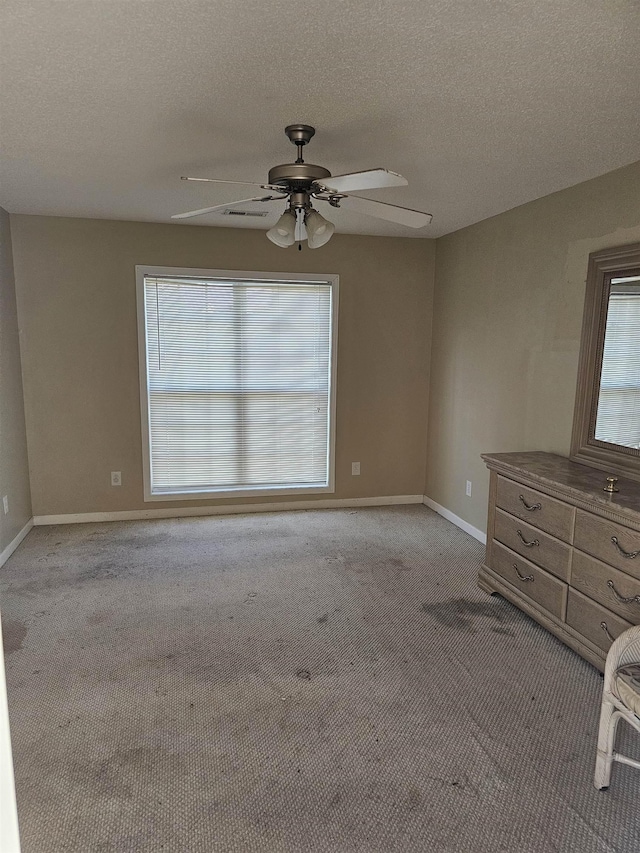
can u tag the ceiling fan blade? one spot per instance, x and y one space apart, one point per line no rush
391 212
371 179
217 181
204 210
273 187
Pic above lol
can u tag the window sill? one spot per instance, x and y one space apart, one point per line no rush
238 494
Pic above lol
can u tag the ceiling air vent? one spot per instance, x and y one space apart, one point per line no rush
230 212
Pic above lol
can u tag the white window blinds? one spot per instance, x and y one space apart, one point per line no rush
618 419
238 377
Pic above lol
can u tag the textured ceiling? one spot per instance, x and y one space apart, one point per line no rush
482 104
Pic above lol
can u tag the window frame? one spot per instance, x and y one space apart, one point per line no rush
240 492
604 265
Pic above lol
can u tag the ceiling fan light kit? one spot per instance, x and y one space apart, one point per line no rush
301 182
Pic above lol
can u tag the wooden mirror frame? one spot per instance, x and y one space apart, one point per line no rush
585 447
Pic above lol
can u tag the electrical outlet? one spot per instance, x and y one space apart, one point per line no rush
5 504
355 469
468 488
116 478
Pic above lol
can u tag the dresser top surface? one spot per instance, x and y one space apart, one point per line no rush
573 479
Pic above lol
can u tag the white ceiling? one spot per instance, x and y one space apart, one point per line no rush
482 104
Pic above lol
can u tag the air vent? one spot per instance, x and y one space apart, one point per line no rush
230 212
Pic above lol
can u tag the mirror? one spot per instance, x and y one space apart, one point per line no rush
606 432
618 408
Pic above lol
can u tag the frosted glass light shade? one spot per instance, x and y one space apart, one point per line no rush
319 229
283 233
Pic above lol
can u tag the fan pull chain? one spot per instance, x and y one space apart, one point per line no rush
299 221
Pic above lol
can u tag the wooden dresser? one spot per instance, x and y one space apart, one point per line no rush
562 549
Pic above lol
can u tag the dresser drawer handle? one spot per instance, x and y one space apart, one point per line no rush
523 577
524 541
630 554
532 507
633 599
603 625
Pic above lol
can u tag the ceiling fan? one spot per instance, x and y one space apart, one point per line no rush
301 182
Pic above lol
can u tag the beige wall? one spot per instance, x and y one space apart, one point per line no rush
506 330
14 466
76 298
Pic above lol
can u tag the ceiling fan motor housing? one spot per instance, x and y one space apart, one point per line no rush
297 176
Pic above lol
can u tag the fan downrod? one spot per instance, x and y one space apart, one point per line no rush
299 134
298 176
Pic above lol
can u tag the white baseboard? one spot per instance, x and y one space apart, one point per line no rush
455 519
232 509
11 547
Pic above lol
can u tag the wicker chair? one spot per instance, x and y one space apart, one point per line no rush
620 700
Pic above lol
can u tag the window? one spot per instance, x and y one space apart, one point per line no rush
237 382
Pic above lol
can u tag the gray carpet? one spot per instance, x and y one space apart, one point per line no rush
312 681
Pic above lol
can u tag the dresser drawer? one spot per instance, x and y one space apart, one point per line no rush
536 508
530 580
529 542
593 621
607 586
596 536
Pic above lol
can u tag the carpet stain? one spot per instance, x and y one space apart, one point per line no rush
140 757
48 581
101 571
399 564
143 540
120 775
414 800
324 618
13 633
335 800
55 578
504 631
460 612
99 617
